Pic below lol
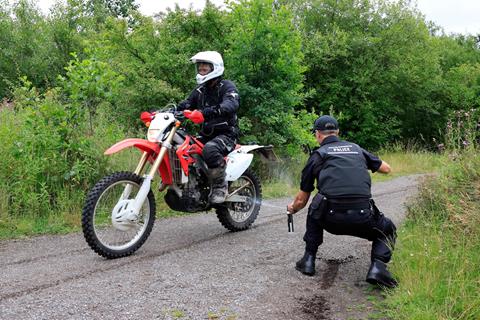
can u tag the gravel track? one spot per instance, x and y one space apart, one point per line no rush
193 268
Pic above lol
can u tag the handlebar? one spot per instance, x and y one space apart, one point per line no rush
194 115
179 115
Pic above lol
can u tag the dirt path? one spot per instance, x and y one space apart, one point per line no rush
192 268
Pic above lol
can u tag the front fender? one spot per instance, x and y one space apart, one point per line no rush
140 144
152 149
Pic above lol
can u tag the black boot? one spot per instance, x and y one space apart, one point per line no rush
219 185
379 275
306 265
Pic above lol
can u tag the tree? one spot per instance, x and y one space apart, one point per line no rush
265 59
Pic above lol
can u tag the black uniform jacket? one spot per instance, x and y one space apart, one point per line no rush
223 100
341 169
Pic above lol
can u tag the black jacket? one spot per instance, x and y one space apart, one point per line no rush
219 104
341 169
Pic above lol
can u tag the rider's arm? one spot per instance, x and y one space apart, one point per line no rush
189 103
230 99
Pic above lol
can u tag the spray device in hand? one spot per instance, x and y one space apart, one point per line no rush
290 222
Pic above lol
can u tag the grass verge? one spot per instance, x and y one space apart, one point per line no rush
286 175
438 254
408 162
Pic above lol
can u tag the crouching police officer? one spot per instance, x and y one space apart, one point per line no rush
343 205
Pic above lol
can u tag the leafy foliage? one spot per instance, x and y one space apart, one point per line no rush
44 150
79 76
265 57
88 83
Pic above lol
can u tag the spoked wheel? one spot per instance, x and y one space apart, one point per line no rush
238 216
109 231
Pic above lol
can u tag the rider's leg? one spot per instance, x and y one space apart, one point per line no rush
213 153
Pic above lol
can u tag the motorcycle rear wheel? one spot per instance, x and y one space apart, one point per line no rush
237 216
100 232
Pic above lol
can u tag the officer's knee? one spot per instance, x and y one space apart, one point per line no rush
389 227
388 231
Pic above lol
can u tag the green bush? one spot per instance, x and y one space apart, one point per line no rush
266 61
46 151
437 255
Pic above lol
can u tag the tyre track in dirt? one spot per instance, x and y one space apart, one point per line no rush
132 260
117 263
333 265
26 280
50 256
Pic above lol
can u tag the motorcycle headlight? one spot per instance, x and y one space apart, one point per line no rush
153 135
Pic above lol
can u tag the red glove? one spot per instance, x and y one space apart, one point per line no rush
195 115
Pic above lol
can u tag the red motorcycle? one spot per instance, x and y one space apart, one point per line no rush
119 211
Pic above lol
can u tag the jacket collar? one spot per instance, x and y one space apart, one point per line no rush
329 139
206 85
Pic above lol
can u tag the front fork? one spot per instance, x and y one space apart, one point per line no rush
128 189
147 181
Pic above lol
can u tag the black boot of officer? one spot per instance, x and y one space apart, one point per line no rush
379 275
306 265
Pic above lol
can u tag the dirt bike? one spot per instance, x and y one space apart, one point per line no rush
119 210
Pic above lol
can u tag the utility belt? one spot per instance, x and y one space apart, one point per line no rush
321 204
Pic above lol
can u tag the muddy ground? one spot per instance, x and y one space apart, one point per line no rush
192 268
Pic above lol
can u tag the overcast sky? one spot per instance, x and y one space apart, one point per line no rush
459 16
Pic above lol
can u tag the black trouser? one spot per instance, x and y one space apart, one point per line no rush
362 223
216 149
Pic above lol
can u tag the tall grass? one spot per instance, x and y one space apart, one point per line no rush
438 254
46 163
284 176
405 160
437 259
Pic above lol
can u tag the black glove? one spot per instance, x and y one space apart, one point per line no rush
184 105
210 112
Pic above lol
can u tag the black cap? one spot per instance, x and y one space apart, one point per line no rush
325 123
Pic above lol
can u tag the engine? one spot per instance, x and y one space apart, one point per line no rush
193 195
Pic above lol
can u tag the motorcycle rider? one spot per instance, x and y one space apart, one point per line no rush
218 100
343 203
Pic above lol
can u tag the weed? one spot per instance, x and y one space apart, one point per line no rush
437 255
177 314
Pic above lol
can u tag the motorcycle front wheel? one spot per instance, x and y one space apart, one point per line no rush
104 234
238 216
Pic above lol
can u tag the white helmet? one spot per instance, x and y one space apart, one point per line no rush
212 57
